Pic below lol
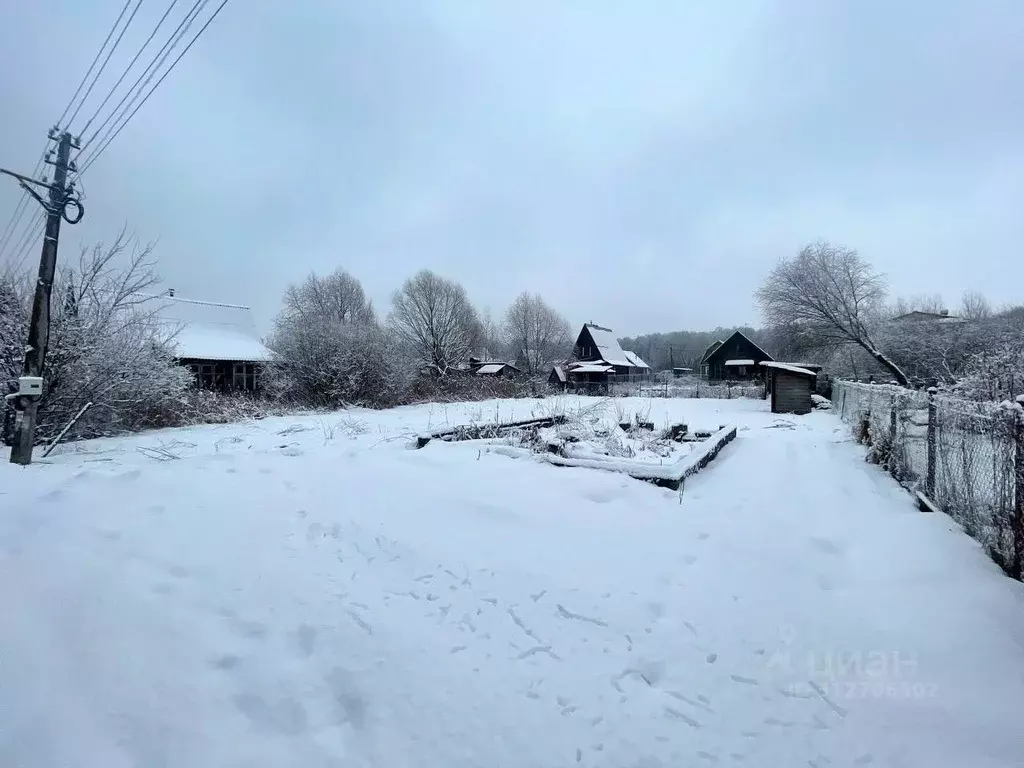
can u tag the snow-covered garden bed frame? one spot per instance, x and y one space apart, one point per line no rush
671 476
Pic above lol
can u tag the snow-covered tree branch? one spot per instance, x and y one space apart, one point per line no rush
832 295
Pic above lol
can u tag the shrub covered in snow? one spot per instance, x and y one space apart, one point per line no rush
996 374
106 346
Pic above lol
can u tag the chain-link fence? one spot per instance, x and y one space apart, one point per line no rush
646 386
966 457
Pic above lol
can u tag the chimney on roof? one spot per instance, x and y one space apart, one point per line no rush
170 292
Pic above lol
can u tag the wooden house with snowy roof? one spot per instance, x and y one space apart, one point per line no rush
598 358
735 359
218 342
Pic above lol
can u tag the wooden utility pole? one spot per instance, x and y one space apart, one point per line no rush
27 405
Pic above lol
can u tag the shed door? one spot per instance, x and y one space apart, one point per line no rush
792 393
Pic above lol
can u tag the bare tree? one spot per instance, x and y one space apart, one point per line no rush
974 306
435 319
109 346
831 293
536 332
932 349
995 374
337 297
491 343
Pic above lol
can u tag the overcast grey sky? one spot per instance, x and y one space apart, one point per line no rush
640 164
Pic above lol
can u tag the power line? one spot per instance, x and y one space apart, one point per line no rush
12 223
33 231
97 58
130 65
21 208
99 151
150 70
105 61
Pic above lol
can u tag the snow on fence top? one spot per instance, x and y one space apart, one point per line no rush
739 362
592 368
209 331
787 367
634 359
608 345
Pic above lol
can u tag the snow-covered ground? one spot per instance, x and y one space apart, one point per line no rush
311 592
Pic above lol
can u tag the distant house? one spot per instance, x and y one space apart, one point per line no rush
735 359
597 344
479 367
598 356
790 386
703 369
218 342
496 369
680 371
921 316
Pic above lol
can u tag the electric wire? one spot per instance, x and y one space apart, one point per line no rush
170 69
145 77
128 69
99 53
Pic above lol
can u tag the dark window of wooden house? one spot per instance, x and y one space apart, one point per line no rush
244 376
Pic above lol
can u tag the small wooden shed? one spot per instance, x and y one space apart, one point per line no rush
790 387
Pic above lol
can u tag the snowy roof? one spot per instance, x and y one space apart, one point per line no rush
593 368
559 371
634 359
788 367
489 368
739 362
920 314
711 348
210 331
719 352
607 345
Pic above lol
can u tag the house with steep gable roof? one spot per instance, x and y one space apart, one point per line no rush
735 359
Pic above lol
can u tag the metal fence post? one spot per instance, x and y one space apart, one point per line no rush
932 426
1017 523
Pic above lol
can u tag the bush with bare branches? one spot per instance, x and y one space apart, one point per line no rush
108 346
329 350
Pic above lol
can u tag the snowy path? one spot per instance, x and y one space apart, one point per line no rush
315 600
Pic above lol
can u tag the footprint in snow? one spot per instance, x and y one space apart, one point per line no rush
286 716
827 546
305 639
743 680
225 662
